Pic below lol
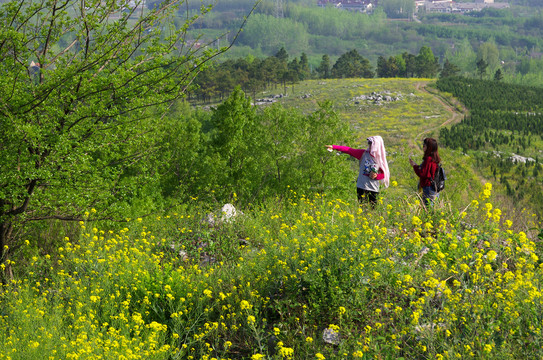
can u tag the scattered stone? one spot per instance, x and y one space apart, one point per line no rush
518 158
207 260
422 252
378 98
183 255
330 336
243 242
228 212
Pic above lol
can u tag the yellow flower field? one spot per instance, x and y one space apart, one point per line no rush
394 282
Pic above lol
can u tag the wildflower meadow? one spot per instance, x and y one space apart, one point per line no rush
296 278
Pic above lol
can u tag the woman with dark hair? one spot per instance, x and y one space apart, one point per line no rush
426 171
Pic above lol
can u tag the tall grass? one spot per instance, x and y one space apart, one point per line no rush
302 277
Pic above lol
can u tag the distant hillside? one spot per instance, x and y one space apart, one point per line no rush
508 39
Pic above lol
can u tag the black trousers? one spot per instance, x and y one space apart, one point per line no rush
367 196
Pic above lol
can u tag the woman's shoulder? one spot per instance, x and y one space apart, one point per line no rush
429 159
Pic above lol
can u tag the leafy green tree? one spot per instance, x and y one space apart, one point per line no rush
320 171
524 66
427 64
410 61
400 63
482 65
463 55
280 130
488 51
397 9
293 74
184 144
352 64
382 69
76 125
282 55
449 69
324 67
305 71
233 127
498 75
388 68
270 68
270 33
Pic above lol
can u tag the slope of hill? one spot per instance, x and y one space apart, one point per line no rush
299 276
509 40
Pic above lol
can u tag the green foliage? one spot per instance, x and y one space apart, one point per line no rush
232 143
239 153
76 127
427 64
352 64
324 67
505 119
398 9
449 69
270 33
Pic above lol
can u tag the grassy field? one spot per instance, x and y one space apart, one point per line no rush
412 114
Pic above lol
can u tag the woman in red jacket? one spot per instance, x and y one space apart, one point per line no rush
426 171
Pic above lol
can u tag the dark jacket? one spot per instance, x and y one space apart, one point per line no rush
426 171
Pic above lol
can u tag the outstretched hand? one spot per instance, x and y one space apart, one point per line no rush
330 147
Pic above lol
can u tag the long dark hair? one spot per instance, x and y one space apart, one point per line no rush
431 150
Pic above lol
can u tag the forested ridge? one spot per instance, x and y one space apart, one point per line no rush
508 39
504 120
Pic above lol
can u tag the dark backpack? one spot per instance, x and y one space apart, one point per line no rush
438 182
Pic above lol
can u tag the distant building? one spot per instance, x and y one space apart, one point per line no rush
351 5
449 6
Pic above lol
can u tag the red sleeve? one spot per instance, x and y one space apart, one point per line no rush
357 153
425 171
380 175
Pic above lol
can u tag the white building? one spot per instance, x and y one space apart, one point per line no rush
449 6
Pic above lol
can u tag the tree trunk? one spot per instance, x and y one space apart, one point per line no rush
6 228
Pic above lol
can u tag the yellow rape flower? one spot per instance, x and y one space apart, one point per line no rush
286 352
245 305
491 255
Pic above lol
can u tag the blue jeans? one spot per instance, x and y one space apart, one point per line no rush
429 195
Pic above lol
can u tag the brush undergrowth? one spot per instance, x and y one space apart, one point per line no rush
299 277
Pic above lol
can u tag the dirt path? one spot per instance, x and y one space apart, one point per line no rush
455 115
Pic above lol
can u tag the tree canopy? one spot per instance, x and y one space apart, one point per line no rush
82 85
352 64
